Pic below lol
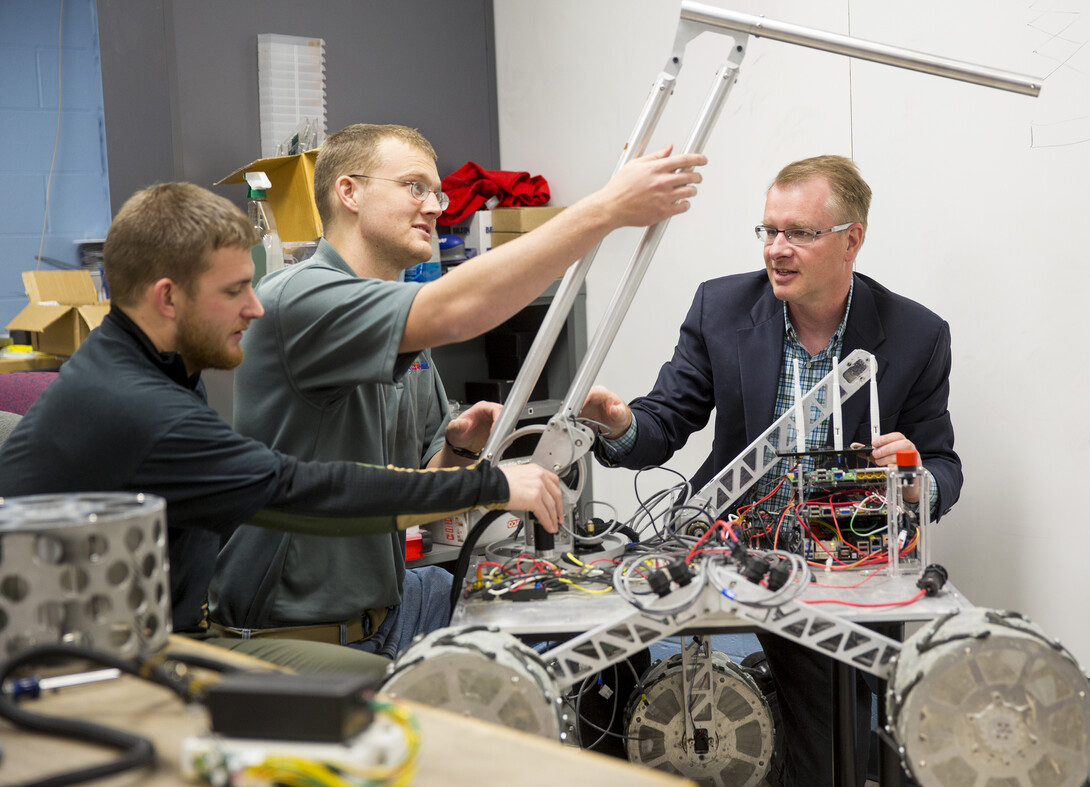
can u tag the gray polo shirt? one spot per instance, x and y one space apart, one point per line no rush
323 379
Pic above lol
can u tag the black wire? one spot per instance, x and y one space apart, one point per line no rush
652 519
612 711
213 665
587 686
136 750
654 498
675 534
466 554
662 535
203 662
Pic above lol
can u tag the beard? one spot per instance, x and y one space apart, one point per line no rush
203 348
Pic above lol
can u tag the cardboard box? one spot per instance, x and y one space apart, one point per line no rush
487 229
291 196
454 529
500 238
477 233
64 308
521 219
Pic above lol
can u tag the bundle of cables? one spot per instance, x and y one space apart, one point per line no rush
135 750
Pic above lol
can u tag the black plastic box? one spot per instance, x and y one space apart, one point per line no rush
324 707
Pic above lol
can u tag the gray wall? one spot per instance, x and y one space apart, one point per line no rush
180 80
179 84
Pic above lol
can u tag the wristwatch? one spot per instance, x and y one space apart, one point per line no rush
465 453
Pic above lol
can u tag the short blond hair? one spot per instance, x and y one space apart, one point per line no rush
850 199
354 150
168 231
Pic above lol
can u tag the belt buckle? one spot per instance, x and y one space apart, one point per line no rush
370 620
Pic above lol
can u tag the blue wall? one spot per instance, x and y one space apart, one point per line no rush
32 41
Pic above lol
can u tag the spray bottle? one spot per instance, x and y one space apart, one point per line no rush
270 251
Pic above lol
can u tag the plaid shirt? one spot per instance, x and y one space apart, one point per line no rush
812 368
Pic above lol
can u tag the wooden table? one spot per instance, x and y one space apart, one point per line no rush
454 750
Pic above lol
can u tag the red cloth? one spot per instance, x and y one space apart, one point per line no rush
470 187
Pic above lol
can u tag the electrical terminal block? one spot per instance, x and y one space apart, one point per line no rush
756 568
838 475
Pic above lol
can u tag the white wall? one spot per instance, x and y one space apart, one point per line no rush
980 212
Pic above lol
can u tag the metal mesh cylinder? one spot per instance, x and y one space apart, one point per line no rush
86 569
481 673
983 697
736 731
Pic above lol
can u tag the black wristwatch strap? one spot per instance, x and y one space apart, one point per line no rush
465 453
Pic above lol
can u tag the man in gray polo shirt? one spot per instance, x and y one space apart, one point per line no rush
340 368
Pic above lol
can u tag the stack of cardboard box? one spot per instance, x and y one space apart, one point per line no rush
487 229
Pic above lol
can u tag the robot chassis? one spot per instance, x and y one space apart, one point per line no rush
976 697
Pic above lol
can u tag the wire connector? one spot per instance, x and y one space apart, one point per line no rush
676 574
756 567
779 574
932 579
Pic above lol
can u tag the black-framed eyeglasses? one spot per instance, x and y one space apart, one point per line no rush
419 190
796 236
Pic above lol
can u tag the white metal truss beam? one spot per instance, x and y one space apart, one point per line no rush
810 626
734 480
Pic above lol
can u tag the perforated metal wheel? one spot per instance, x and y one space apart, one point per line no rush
481 673
985 699
735 737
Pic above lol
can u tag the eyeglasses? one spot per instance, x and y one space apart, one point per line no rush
416 188
796 236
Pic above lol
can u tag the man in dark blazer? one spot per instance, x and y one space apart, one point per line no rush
734 356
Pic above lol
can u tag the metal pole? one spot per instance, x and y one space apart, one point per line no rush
759 26
626 290
573 279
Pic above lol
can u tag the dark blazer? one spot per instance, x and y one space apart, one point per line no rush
728 359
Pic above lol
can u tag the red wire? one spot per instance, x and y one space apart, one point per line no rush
746 509
518 561
867 578
834 558
856 604
783 516
719 525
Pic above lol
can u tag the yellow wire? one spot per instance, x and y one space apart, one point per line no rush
577 586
